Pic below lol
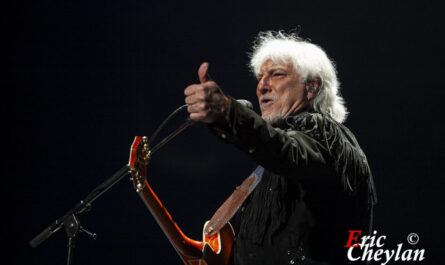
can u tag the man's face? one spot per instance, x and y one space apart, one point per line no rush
280 91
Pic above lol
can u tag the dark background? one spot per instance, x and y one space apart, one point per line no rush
84 77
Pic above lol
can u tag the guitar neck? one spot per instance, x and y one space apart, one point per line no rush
215 250
183 245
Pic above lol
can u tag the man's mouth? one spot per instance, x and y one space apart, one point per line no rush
266 102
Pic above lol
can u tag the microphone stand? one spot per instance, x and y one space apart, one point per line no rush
70 220
167 139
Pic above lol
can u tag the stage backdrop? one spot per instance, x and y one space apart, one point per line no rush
82 78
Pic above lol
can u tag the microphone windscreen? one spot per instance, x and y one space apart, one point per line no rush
245 103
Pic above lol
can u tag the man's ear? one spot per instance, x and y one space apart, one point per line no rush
313 86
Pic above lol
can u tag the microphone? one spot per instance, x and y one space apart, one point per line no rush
245 103
186 124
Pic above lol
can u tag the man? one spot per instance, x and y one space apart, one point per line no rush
317 185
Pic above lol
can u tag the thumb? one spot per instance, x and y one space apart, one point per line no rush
203 73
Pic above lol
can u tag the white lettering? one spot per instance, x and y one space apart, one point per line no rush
406 257
417 252
380 244
364 241
350 254
368 253
399 248
389 254
377 254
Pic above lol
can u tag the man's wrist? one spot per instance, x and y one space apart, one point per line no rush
226 108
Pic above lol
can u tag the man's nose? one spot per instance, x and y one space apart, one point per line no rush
263 86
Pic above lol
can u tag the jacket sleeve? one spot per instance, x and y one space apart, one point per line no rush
283 151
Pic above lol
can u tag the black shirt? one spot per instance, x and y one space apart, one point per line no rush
317 186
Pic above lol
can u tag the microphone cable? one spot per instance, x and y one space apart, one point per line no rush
183 126
150 141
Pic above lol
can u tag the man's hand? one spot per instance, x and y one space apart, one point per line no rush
206 102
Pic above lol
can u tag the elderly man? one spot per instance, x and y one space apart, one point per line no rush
317 185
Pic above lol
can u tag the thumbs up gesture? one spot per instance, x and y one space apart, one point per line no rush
206 102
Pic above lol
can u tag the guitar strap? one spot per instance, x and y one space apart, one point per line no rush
226 211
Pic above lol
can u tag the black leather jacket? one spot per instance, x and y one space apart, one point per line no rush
317 185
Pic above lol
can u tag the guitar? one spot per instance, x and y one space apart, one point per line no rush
212 250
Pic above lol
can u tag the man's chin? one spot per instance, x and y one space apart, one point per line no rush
272 118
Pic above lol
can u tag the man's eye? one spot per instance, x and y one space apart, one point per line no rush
278 74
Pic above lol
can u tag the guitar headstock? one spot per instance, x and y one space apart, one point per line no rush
139 157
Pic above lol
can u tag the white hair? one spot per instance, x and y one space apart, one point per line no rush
309 60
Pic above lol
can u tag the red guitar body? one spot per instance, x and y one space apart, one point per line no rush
212 250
